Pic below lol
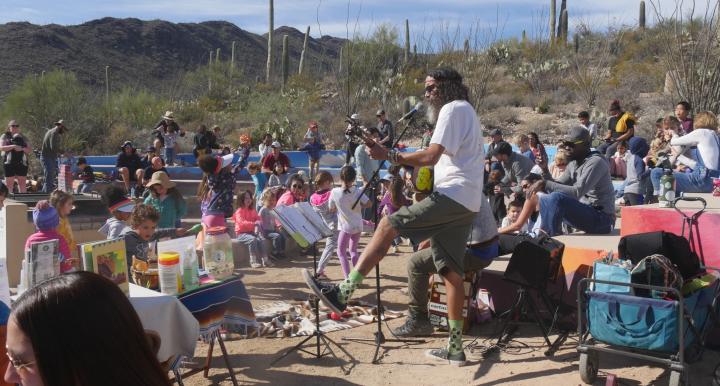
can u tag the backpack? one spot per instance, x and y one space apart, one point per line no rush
676 248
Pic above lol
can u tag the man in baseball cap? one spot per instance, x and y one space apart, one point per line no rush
583 197
275 157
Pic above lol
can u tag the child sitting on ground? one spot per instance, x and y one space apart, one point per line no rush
320 200
120 208
63 203
86 176
248 230
637 173
523 143
270 227
618 162
278 177
350 221
497 200
46 221
559 164
513 212
143 230
166 198
260 181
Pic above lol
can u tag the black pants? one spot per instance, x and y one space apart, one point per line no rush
350 151
633 199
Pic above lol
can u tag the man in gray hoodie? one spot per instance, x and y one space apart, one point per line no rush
583 197
49 153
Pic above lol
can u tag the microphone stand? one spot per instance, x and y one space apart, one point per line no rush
373 188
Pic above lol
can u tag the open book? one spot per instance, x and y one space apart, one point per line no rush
302 223
42 262
107 258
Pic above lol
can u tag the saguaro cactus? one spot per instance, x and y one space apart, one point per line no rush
563 8
268 68
285 61
232 55
576 42
642 15
407 40
564 25
553 18
301 67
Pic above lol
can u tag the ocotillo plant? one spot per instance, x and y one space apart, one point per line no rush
553 18
217 56
301 67
268 68
407 40
285 62
642 15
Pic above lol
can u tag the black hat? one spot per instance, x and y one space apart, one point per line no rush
502 148
495 132
81 161
577 135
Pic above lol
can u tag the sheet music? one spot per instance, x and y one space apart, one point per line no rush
295 222
314 217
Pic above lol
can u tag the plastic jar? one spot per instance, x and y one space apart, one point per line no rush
218 258
169 273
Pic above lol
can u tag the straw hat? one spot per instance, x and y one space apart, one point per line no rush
169 115
160 178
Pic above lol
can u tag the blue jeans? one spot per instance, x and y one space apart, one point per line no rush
695 182
278 243
169 154
556 208
85 187
50 172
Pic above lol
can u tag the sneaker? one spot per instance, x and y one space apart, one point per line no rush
327 292
266 262
441 354
255 265
414 326
322 276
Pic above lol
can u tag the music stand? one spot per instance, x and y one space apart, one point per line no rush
379 338
531 272
320 338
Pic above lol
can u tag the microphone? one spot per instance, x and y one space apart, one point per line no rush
411 113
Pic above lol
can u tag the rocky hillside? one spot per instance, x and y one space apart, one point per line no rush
147 53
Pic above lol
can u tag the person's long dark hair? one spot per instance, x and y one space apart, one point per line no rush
347 176
449 85
84 332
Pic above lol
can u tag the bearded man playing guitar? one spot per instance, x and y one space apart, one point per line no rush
445 217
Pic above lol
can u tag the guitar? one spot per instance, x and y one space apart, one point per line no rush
421 178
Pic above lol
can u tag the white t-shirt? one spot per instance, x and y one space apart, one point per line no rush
707 145
459 172
349 219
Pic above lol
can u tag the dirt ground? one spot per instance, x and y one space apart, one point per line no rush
523 363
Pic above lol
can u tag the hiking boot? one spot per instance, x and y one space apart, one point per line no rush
327 292
441 354
414 326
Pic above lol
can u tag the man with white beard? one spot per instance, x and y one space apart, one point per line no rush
445 217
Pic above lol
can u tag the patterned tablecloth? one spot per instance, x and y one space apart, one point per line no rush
223 304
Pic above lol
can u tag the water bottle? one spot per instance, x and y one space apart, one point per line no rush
667 192
190 270
169 273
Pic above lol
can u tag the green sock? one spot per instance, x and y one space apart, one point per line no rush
455 339
348 286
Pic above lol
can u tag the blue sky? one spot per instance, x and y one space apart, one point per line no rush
428 19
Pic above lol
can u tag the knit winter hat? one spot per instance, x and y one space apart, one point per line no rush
45 217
